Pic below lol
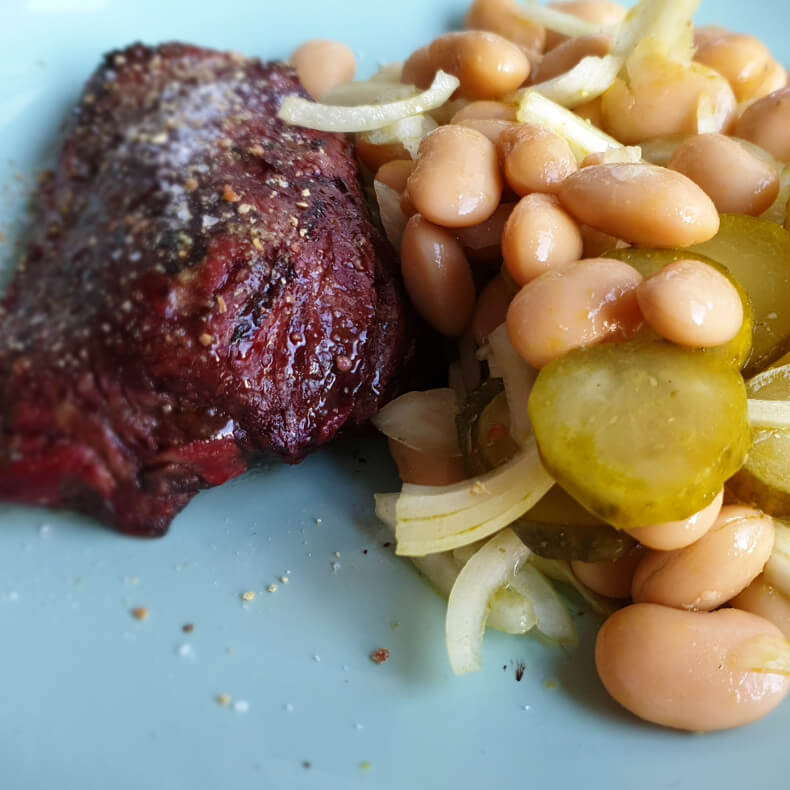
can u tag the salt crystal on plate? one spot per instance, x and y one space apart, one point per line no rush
186 651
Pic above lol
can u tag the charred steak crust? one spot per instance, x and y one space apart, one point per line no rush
204 283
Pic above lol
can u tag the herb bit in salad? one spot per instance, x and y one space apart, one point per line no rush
592 202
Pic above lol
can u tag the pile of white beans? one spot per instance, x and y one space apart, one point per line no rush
486 191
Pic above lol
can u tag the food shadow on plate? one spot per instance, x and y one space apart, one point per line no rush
422 658
576 674
19 517
419 652
578 678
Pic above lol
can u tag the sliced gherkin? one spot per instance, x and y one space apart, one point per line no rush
649 262
559 528
764 480
640 432
483 428
757 253
558 507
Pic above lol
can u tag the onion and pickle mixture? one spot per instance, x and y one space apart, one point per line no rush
593 202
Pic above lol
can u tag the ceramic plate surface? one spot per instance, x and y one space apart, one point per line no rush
93 699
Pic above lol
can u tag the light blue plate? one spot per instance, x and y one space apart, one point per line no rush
92 699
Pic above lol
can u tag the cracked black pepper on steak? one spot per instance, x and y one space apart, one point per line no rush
204 284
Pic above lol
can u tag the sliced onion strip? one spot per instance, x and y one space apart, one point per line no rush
553 619
659 27
408 131
366 117
386 506
769 414
356 94
583 138
652 26
510 612
470 599
424 502
428 523
764 654
560 571
518 378
441 570
777 570
393 220
559 21
777 212
586 81
423 421
661 149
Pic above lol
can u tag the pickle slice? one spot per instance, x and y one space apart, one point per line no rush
764 480
757 253
649 262
640 432
559 528
483 429
558 507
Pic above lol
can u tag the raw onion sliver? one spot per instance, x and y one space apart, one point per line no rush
583 137
524 482
510 612
764 654
424 421
769 414
777 570
553 619
518 378
366 117
441 570
560 570
586 81
389 72
356 94
628 155
424 502
652 26
393 220
470 599
559 21
386 505
777 212
661 149
408 131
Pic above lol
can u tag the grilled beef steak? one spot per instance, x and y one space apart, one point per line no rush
204 283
